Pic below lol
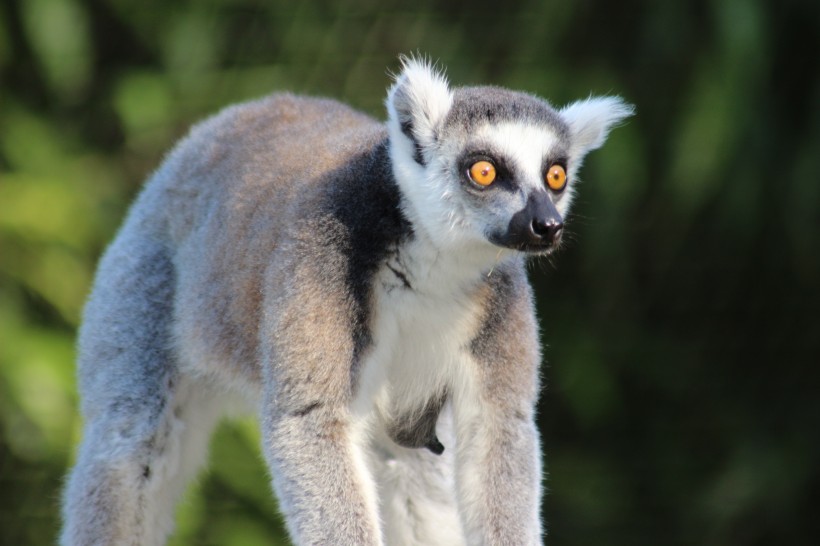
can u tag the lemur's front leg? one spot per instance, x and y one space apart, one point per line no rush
499 478
311 440
498 459
320 476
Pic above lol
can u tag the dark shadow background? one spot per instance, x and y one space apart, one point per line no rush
682 400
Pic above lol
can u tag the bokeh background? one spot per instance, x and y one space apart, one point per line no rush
682 329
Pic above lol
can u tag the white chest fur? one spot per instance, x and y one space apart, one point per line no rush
426 311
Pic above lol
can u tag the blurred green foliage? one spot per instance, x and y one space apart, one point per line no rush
682 324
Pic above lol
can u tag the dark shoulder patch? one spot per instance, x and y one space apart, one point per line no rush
364 201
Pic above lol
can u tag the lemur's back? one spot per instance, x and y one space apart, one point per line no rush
269 152
231 193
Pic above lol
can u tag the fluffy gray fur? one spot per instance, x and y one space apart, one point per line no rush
349 280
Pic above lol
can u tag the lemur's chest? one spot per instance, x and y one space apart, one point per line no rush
422 322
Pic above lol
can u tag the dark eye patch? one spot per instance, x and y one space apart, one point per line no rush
505 170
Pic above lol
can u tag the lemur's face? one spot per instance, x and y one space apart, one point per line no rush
505 158
488 166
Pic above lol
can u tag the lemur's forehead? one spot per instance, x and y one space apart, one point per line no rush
474 108
528 147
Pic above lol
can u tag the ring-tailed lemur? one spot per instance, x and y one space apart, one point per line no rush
363 286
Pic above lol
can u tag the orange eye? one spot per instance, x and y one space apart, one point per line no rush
482 173
556 178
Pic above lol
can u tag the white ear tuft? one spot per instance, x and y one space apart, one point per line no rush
418 101
591 120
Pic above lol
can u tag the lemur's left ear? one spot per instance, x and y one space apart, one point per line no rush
591 120
417 103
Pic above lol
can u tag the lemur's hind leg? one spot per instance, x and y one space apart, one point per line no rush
417 491
129 475
147 427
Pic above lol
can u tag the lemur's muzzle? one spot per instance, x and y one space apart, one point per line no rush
535 228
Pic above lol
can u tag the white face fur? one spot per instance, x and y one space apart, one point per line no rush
437 134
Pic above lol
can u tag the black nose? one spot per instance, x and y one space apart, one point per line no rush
535 228
549 231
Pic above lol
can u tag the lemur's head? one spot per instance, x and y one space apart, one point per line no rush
484 164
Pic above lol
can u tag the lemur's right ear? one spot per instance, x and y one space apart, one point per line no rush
417 103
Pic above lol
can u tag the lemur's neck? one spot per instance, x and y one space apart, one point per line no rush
426 267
